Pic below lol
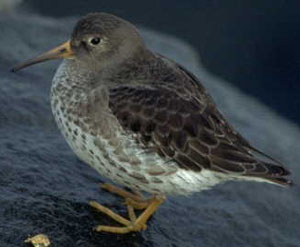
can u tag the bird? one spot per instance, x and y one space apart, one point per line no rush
144 121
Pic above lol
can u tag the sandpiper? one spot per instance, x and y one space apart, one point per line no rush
144 121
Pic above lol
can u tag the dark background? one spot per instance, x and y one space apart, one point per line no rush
253 44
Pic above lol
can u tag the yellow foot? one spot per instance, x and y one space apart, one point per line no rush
135 224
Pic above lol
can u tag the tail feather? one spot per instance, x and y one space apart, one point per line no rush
278 174
275 174
277 170
281 181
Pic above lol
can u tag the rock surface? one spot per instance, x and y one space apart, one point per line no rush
44 188
6 5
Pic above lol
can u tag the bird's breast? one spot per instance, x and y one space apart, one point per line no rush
97 138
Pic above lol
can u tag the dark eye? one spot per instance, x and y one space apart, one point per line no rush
95 40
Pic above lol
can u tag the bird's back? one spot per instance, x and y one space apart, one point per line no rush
173 112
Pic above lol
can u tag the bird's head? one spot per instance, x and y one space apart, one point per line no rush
97 39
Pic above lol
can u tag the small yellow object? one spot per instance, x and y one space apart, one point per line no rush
40 240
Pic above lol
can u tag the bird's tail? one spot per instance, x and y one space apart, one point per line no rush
275 173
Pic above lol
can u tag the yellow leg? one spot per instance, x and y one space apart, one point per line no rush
110 213
139 205
121 192
131 213
150 210
112 229
136 200
136 224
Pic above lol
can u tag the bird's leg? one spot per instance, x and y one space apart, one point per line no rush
131 213
133 201
138 193
139 205
121 192
135 224
136 199
110 213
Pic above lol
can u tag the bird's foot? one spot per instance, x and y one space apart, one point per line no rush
134 224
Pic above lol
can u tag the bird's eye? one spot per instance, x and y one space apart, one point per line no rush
95 40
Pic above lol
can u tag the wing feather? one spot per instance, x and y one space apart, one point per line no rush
189 130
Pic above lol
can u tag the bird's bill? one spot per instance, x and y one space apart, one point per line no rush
62 51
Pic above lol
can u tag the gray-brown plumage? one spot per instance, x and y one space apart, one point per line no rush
186 126
144 121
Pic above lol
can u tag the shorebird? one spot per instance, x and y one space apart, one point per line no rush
144 121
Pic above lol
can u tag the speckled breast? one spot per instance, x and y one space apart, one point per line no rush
99 140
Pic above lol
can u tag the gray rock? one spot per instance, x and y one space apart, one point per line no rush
44 188
7 5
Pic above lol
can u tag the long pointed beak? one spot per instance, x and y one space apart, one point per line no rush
62 51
